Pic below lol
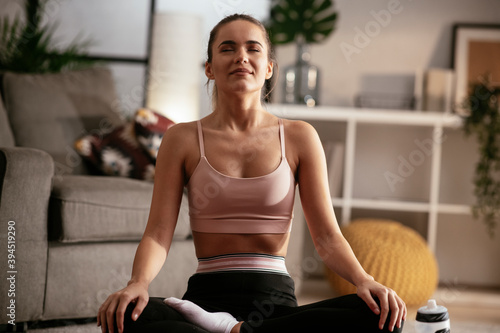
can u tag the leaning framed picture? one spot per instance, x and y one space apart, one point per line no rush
475 55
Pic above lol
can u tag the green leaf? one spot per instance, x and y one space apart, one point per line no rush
301 20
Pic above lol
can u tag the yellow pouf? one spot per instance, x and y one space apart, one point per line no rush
395 255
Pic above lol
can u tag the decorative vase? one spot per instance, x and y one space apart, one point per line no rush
301 79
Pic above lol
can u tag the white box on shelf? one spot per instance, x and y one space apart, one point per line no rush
438 90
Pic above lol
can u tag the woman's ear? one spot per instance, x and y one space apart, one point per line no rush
208 71
270 69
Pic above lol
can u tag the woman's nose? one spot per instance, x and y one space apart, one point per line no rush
241 57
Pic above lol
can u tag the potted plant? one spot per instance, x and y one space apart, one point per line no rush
26 46
482 119
303 22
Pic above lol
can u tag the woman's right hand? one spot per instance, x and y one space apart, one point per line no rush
112 311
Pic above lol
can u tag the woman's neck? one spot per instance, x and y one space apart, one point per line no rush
239 112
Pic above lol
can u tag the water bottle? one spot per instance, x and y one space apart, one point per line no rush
432 319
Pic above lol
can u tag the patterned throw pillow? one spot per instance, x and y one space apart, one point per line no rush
117 153
150 126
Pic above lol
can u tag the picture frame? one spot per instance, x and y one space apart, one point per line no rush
475 53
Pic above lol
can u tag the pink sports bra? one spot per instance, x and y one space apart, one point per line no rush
255 205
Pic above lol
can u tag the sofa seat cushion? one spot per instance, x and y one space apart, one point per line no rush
81 276
101 208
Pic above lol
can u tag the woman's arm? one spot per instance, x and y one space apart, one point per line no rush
327 237
155 243
167 196
318 210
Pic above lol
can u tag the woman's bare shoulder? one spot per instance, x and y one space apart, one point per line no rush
298 125
179 138
299 131
181 133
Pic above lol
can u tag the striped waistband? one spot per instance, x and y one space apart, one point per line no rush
250 262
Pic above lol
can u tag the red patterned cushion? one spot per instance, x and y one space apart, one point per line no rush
117 153
150 126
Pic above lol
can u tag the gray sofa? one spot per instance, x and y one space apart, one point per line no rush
75 233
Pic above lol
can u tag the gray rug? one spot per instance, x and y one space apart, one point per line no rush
456 327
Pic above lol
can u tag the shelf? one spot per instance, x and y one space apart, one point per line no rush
373 116
405 206
454 209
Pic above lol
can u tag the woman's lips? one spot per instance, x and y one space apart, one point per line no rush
241 71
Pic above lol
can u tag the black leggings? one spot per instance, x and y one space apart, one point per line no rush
265 302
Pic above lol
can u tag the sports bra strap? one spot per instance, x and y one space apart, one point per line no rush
282 138
200 139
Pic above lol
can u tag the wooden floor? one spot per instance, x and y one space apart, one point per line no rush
464 304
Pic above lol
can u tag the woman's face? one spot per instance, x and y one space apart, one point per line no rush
239 58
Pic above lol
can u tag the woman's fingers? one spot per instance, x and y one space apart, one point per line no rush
141 304
110 315
102 322
388 302
106 314
402 312
112 311
395 310
101 316
383 297
123 302
367 297
405 311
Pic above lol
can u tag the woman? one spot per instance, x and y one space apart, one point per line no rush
241 165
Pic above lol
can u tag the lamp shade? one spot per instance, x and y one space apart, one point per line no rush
174 77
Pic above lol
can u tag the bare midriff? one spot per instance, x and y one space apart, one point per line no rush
214 244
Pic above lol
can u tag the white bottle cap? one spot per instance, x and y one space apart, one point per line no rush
432 312
432 308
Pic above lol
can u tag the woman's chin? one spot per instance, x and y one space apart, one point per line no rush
243 88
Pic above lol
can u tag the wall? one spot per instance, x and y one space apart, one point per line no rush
419 36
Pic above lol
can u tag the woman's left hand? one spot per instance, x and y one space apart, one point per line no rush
389 302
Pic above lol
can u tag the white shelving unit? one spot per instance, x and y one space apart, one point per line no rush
353 117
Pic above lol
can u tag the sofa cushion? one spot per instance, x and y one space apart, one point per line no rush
6 136
117 153
101 208
150 126
50 111
81 276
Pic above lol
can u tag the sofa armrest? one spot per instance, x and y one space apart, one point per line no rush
25 185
